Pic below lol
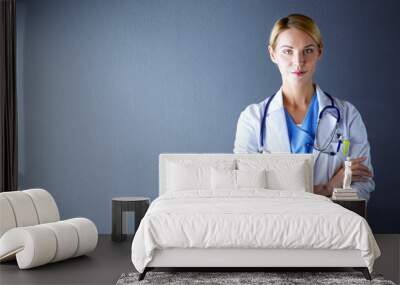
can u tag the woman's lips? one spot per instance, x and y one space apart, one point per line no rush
299 73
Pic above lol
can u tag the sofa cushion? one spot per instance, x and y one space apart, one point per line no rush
46 207
7 220
23 208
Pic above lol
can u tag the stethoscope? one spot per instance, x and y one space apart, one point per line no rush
321 149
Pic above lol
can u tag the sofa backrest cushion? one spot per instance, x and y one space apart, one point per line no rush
26 208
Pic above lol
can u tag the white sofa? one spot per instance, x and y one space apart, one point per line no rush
31 231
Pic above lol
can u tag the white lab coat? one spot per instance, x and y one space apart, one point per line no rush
276 137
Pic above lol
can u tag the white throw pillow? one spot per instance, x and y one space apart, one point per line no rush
282 174
237 179
251 179
223 179
183 177
189 175
292 179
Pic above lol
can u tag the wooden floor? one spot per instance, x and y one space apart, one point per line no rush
111 259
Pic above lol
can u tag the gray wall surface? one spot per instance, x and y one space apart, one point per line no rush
105 86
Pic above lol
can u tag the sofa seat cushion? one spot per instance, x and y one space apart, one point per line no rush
40 244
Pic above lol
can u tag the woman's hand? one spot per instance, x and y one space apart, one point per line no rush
359 173
323 189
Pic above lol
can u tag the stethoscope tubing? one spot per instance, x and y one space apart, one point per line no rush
317 148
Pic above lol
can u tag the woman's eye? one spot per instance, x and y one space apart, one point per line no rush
287 51
308 51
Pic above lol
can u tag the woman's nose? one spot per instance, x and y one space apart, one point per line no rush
298 58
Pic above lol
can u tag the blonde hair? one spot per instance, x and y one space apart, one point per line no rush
300 22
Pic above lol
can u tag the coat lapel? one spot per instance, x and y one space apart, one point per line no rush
277 138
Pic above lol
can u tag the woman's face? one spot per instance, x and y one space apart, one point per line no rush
296 55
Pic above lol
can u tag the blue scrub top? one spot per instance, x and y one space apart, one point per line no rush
302 137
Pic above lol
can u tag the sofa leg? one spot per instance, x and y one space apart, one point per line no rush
364 271
143 274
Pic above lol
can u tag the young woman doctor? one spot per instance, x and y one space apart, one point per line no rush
301 118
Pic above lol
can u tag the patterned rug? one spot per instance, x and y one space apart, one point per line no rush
270 278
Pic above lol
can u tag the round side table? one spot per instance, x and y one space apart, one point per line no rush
139 205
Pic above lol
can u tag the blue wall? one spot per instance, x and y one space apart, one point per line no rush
105 86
